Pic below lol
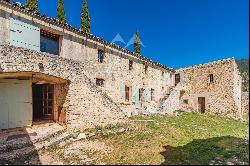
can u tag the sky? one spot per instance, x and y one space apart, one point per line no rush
175 33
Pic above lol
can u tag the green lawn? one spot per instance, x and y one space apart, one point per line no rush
189 139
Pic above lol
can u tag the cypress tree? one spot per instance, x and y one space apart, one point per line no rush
61 16
137 44
85 19
32 5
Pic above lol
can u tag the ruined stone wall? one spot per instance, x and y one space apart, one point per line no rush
237 90
220 95
245 103
85 104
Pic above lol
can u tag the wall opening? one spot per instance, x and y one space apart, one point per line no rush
43 102
177 79
49 42
201 104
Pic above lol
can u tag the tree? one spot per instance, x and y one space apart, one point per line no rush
137 44
245 81
85 19
32 5
61 16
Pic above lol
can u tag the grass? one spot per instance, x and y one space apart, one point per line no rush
189 139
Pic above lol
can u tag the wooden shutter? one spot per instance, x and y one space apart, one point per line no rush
24 35
146 99
182 78
122 93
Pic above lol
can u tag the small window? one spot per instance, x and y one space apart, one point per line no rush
185 101
177 79
99 82
162 73
146 68
127 93
130 64
49 42
100 56
211 78
152 94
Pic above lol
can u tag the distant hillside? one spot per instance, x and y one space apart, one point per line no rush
243 65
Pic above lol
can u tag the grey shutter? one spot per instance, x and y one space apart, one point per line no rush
122 93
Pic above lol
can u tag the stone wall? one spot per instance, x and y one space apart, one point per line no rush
245 102
115 69
85 104
4 27
221 95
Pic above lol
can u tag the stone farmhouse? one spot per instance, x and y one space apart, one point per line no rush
50 71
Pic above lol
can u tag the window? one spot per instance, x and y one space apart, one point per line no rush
162 73
211 78
177 79
130 64
152 94
146 68
127 93
49 42
99 82
100 56
185 101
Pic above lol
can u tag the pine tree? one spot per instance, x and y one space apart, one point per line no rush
85 19
61 16
32 5
137 44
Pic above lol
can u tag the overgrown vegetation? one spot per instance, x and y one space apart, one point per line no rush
243 65
190 139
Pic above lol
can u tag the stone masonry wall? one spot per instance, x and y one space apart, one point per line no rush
115 69
245 103
4 27
220 95
86 105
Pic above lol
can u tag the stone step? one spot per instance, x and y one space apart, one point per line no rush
47 136
15 144
6 158
12 155
53 141
19 143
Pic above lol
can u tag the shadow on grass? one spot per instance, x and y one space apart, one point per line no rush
217 150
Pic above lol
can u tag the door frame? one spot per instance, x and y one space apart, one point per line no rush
50 117
203 104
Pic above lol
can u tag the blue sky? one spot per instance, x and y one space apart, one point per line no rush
176 33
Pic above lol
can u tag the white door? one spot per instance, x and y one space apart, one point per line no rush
15 103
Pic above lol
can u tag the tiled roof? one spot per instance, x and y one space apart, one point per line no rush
43 17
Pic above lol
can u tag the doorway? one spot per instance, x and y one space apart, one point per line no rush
201 104
43 102
177 79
